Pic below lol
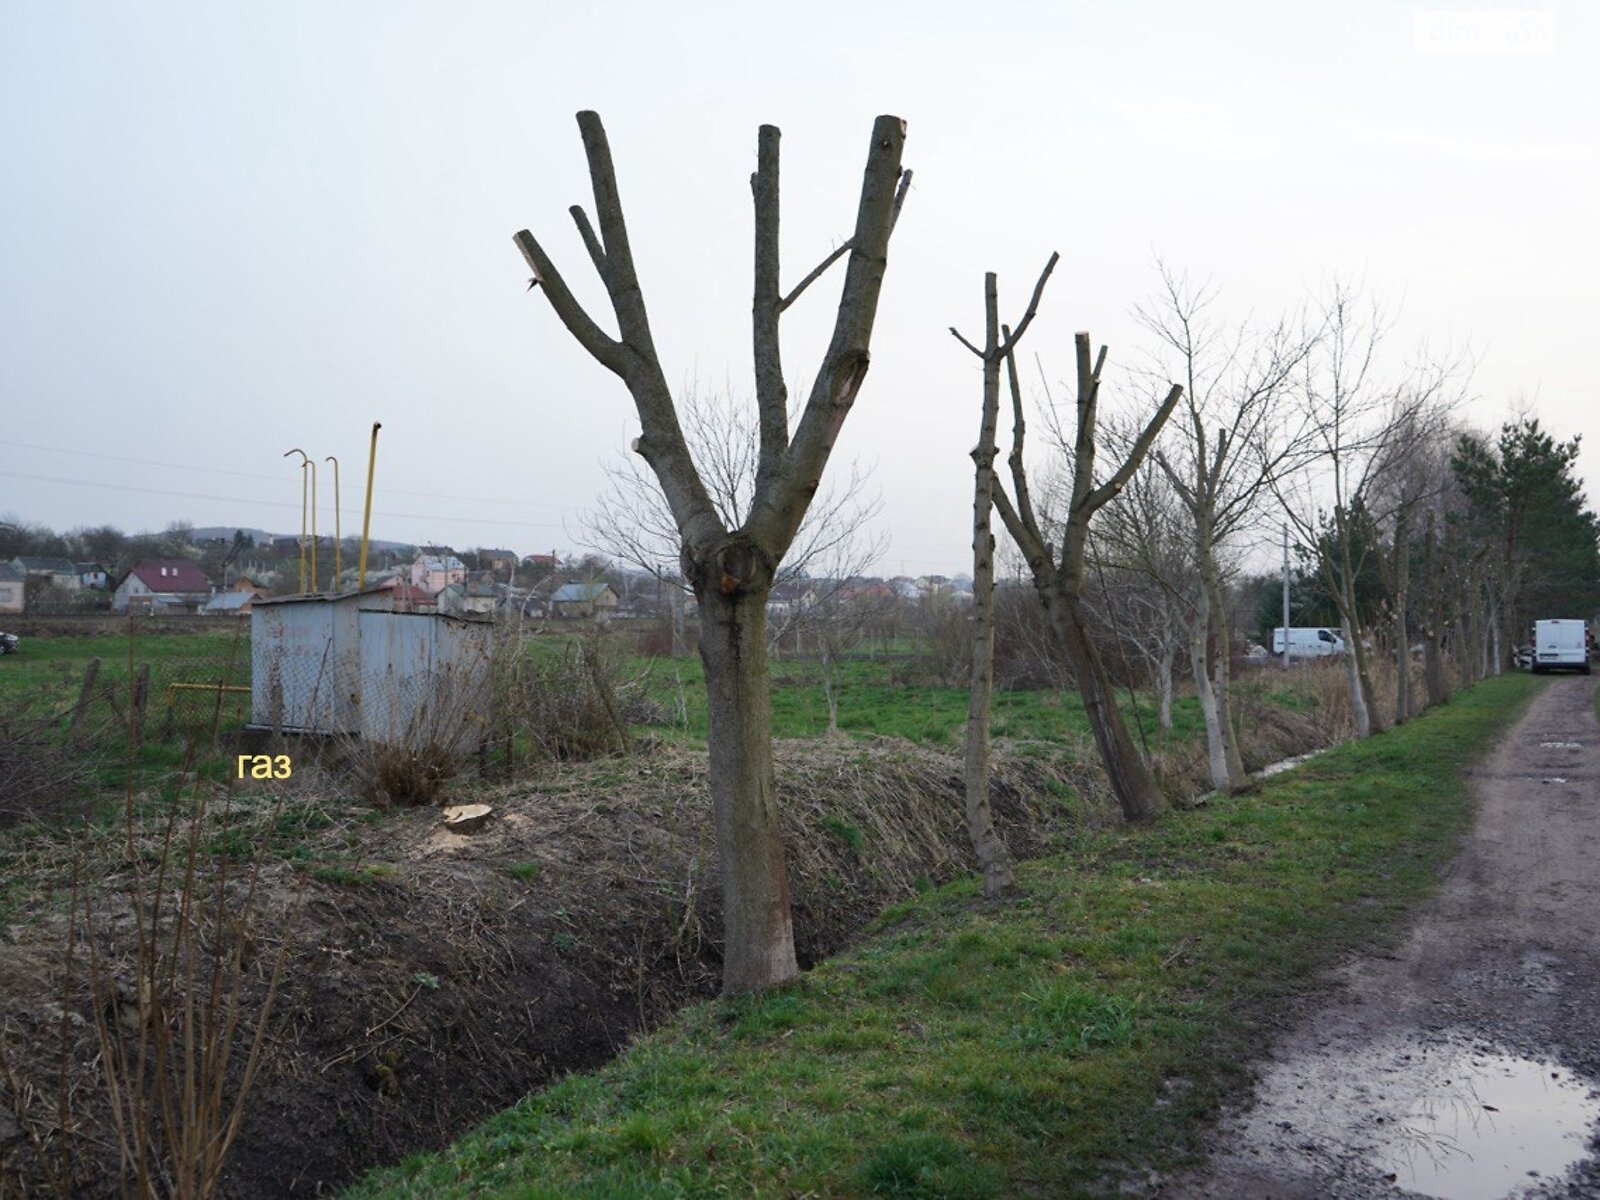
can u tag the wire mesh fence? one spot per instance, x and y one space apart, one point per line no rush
361 691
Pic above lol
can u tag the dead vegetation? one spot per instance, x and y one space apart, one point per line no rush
40 776
433 977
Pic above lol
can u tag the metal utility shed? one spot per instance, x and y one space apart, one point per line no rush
305 662
426 677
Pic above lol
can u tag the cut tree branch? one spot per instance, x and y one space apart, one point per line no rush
772 394
1108 490
816 274
777 514
605 349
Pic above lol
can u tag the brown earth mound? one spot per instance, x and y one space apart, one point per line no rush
439 976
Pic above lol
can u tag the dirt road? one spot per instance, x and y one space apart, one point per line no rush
1466 1064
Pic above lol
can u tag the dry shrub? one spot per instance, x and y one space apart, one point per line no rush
579 704
431 730
39 776
1027 654
388 773
947 645
660 641
135 1077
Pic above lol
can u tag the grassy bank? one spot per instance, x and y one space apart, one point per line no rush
1036 1047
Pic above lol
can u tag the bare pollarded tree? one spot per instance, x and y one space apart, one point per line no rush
732 568
999 347
1059 574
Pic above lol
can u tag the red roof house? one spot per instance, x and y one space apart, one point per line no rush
172 583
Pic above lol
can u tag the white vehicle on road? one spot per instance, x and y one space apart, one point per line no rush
1561 645
1307 642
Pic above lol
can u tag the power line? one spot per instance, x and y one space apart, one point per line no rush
191 467
277 504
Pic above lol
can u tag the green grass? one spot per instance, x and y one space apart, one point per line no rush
874 700
1036 1046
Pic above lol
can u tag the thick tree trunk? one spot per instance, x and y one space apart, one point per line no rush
1226 716
1211 680
1358 699
1130 777
1402 640
1473 640
1434 621
758 940
1164 668
1216 755
993 857
1363 695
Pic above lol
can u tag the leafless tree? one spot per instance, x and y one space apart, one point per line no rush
1238 435
835 542
999 347
1360 421
1411 470
1143 548
1059 575
732 568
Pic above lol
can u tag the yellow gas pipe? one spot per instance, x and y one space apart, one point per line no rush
366 519
338 567
304 459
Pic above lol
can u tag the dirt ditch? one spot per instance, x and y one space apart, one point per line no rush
433 978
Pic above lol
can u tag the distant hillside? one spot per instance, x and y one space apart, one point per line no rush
262 537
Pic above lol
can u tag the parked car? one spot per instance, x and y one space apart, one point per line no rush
9 643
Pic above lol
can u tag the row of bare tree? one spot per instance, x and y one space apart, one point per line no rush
1417 528
1298 421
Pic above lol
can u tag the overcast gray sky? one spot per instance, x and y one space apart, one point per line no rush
230 229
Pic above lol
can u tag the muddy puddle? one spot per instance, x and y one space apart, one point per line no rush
1456 1121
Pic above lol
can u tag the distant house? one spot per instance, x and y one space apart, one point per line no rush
583 599
59 572
477 595
93 576
435 572
229 604
407 597
11 589
501 562
236 601
163 585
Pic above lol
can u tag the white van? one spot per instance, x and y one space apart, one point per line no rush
1560 645
1307 642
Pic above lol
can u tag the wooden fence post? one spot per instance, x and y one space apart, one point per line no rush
90 674
136 708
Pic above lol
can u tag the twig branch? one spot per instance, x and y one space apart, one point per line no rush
900 198
816 274
1033 306
956 333
591 243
